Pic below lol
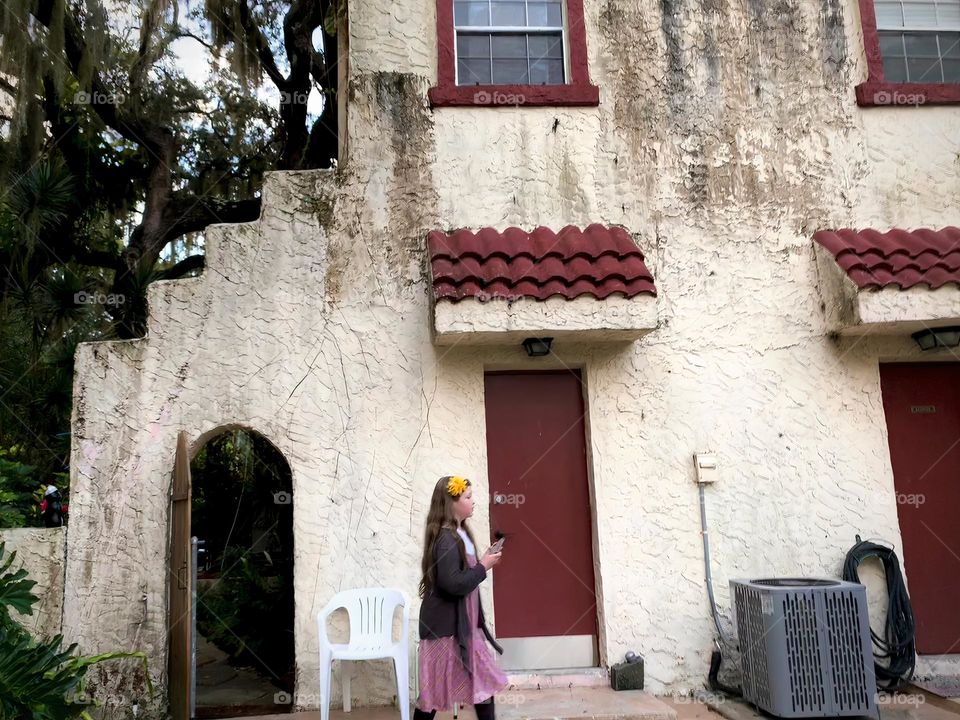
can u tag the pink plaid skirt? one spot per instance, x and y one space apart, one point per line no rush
443 679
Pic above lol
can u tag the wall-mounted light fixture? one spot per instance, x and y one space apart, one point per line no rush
537 347
937 337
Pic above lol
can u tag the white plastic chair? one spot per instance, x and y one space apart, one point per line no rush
371 638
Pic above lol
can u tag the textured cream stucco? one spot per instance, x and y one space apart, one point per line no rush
41 552
727 134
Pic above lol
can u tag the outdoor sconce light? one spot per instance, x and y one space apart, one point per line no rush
938 337
537 347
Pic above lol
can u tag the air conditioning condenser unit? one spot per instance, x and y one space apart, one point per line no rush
805 647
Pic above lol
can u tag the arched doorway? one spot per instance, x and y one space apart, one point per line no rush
242 518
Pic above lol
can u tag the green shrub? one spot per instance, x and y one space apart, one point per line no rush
19 491
39 680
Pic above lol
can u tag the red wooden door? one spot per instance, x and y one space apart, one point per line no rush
922 406
539 497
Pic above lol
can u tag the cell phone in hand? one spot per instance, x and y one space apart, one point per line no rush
497 546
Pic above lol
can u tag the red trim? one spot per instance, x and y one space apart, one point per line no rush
877 92
578 91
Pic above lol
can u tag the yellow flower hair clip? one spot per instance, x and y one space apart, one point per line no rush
457 485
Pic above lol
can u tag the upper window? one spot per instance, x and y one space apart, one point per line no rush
919 40
512 52
510 42
913 52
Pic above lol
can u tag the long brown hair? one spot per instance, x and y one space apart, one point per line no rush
440 516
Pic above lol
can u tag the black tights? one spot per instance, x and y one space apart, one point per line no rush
485 711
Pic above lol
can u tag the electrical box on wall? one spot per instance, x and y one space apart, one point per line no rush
706 467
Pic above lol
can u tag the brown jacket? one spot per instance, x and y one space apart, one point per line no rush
443 612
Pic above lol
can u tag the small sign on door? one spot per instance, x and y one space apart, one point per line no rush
923 409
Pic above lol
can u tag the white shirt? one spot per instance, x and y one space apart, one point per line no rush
471 550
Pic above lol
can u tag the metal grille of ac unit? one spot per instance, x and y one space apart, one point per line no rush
805 647
754 661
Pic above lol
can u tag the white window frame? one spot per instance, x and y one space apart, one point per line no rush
512 29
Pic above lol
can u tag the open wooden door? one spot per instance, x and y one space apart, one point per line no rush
180 620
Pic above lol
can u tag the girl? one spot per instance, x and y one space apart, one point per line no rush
456 665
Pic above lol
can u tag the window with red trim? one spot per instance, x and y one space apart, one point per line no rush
512 52
913 52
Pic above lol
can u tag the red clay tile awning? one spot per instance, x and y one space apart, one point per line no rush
899 258
599 261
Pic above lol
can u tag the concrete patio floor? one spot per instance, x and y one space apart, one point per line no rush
551 703
581 703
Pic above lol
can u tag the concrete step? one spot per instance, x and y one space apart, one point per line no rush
567 678
581 703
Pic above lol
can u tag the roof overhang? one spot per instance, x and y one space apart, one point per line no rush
884 283
500 322
500 287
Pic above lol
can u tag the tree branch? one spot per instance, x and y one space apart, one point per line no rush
267 61
189 264
303 17
97 258
190 213
136 130
179 33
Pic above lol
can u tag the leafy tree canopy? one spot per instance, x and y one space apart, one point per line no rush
126 128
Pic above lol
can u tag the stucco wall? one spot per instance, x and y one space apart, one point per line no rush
726 135
42 553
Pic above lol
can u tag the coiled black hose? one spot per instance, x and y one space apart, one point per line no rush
895 653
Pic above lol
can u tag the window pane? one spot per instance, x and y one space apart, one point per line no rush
921 45
545 14
923 70
472 13
473 72
509 46
923 63
920 14
949 14
512 13
473 46
546 72
889 14
546 46
894 69
510 72
891 45
950 45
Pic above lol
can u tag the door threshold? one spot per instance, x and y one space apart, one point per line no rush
558 678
